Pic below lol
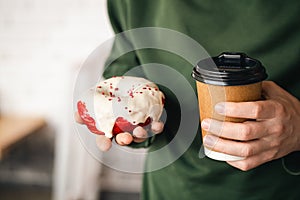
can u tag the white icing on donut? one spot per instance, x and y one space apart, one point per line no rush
133 98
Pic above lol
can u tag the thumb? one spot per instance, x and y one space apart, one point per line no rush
270 90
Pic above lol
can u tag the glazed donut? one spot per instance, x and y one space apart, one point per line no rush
121 104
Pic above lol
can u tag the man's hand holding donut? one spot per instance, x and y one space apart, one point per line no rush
124 108
138 135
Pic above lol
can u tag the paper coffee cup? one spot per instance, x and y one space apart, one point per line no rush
231 77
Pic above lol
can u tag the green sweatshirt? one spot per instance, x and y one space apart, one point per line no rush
266 30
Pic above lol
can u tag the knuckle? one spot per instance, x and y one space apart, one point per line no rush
271 155
245 166
279 108
278 128
275 144
257 109
245 132
247 150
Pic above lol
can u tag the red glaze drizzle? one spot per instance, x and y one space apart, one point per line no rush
87 119
122 125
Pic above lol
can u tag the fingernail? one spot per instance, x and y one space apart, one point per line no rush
209 140
205 124
220 108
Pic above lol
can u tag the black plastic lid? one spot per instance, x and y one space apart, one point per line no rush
229 69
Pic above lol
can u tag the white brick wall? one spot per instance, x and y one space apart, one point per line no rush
42 44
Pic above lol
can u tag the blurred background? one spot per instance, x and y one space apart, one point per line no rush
42 45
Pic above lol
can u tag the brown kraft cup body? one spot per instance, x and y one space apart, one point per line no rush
229 77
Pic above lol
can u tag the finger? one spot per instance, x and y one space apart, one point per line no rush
253 161
157 127
78 118
139 134
236 148
124 138
248 110
246 131
103 143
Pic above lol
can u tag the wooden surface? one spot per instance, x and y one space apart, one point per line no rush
15 128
